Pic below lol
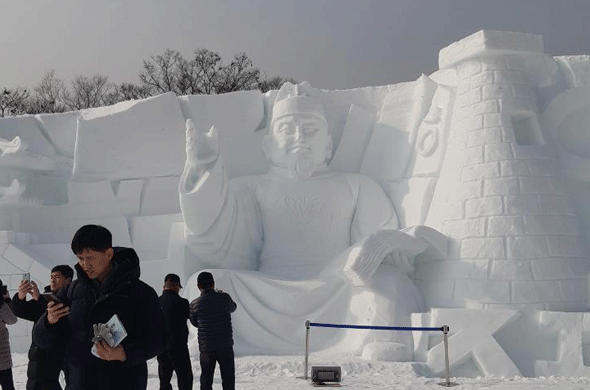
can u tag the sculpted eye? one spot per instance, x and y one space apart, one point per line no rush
310 130
285 129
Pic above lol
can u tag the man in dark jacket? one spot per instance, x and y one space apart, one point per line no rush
176 357
108 284
44 366
211 314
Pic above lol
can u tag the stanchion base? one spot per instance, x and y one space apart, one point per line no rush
448 384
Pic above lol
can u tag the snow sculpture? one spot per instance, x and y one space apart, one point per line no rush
300 241
501 197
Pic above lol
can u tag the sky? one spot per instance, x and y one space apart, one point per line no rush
333 44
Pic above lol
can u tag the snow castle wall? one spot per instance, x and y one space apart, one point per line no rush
501 196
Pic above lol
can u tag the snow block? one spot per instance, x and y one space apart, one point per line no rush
27 128
237 117
54 254
486 42
356 136
128 195
572 330
90 192
146 139
61 130
471 337
160 196
150 235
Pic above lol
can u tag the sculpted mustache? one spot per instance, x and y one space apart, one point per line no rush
299 146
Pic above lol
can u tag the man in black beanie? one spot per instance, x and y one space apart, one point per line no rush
211 314
176 357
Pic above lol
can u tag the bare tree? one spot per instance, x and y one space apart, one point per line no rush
239 75
49 94
129 91
205 73
88 92
160 72
13 101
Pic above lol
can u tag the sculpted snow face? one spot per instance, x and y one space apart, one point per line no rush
300 242
298 139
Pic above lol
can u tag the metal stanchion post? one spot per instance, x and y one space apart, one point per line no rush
445 330
307 327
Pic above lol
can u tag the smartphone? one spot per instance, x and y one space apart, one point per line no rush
51 297
27 276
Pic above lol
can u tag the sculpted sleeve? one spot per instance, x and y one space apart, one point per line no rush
222 218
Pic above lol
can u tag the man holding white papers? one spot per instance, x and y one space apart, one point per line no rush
108 284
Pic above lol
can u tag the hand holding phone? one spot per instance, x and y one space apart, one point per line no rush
56 310
51 297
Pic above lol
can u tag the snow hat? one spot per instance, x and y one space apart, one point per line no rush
292 99
173 278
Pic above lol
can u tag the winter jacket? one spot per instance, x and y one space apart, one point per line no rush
176 313
91 302
211 314
7 317
44 366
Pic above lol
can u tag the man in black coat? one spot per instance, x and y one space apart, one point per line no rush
108 284
211 314
176 357
44 366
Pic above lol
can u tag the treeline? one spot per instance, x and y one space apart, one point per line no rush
204 73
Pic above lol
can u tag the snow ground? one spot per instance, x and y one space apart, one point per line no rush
283 372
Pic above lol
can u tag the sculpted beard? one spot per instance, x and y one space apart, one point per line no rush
300 166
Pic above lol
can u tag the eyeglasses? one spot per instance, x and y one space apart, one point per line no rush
56 277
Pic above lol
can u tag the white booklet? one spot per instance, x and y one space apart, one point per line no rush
116 333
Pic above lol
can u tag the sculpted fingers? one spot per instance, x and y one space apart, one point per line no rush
201 148
212 134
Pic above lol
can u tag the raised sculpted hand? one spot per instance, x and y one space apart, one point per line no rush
202 149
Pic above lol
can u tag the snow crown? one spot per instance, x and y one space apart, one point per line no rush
292 99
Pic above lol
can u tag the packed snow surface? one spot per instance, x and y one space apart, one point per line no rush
285 372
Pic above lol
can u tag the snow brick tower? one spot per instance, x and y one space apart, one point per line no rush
515 238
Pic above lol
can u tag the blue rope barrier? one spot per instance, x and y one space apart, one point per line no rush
403 328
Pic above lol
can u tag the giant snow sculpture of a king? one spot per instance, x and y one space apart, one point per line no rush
300 241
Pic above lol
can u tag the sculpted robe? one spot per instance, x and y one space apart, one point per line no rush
282 249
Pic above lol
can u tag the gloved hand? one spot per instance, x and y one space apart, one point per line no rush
103 332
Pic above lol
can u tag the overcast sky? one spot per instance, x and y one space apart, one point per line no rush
333 44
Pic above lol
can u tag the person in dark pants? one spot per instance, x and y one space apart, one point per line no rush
176 357
44 366
211 314
7 317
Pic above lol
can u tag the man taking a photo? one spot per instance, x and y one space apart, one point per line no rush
44 365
